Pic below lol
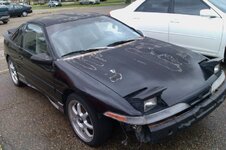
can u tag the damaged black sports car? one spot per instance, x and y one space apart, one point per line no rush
97 70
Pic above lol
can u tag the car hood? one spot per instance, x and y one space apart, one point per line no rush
145 64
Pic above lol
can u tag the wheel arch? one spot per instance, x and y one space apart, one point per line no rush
86 97
65 95
7 57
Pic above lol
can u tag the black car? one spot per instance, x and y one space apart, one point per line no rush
17 10
97 70
4 14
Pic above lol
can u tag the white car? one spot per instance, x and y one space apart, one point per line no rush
199 25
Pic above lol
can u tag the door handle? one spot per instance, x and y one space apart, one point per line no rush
136 18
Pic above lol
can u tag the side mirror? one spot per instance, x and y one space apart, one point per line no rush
208 13
11 31
42 59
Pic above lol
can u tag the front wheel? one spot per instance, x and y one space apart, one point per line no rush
5 21
24 14
90 128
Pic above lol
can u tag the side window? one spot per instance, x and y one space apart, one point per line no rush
17 37
189 7
161 6
10 7
18 7
34 40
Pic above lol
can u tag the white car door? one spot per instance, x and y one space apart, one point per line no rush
149 16
187 28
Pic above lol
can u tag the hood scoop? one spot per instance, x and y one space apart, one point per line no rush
146 93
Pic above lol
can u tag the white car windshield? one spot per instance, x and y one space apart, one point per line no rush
90 33
221 4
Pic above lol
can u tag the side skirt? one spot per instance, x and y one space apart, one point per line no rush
56 104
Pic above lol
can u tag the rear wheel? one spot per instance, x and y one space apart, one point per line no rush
13 73
90 128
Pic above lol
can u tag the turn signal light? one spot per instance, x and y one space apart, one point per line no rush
116 116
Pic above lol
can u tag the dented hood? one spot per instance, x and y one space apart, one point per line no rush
145 64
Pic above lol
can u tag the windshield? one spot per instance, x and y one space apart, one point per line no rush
90 33
221 4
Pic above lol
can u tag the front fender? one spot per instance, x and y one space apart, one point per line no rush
92 91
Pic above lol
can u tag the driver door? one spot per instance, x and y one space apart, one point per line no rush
38 75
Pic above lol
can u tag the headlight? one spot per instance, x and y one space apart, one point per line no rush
150 104
217 68
218 82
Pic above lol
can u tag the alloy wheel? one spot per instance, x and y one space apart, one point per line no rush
80 120
13 72
24 14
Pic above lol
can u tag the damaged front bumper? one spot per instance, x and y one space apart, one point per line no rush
162 129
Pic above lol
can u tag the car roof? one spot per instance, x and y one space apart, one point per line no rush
62 18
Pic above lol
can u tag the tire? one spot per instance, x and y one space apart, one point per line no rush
13 73
24 14
89 128
5 21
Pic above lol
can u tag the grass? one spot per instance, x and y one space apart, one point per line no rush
76 4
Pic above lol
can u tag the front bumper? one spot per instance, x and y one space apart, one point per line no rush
4 18
162 129
29 11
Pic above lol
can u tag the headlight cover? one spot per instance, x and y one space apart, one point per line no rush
218 82
217 68
150 104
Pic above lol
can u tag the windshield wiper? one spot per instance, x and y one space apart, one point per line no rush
121 42
85 51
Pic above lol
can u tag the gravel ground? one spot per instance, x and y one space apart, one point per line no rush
29 122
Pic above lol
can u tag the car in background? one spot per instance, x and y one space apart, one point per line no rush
4 14
25 4
17 10
199 25
84 2
99 71
54 3
4 3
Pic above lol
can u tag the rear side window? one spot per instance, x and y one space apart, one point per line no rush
189 7
161 6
